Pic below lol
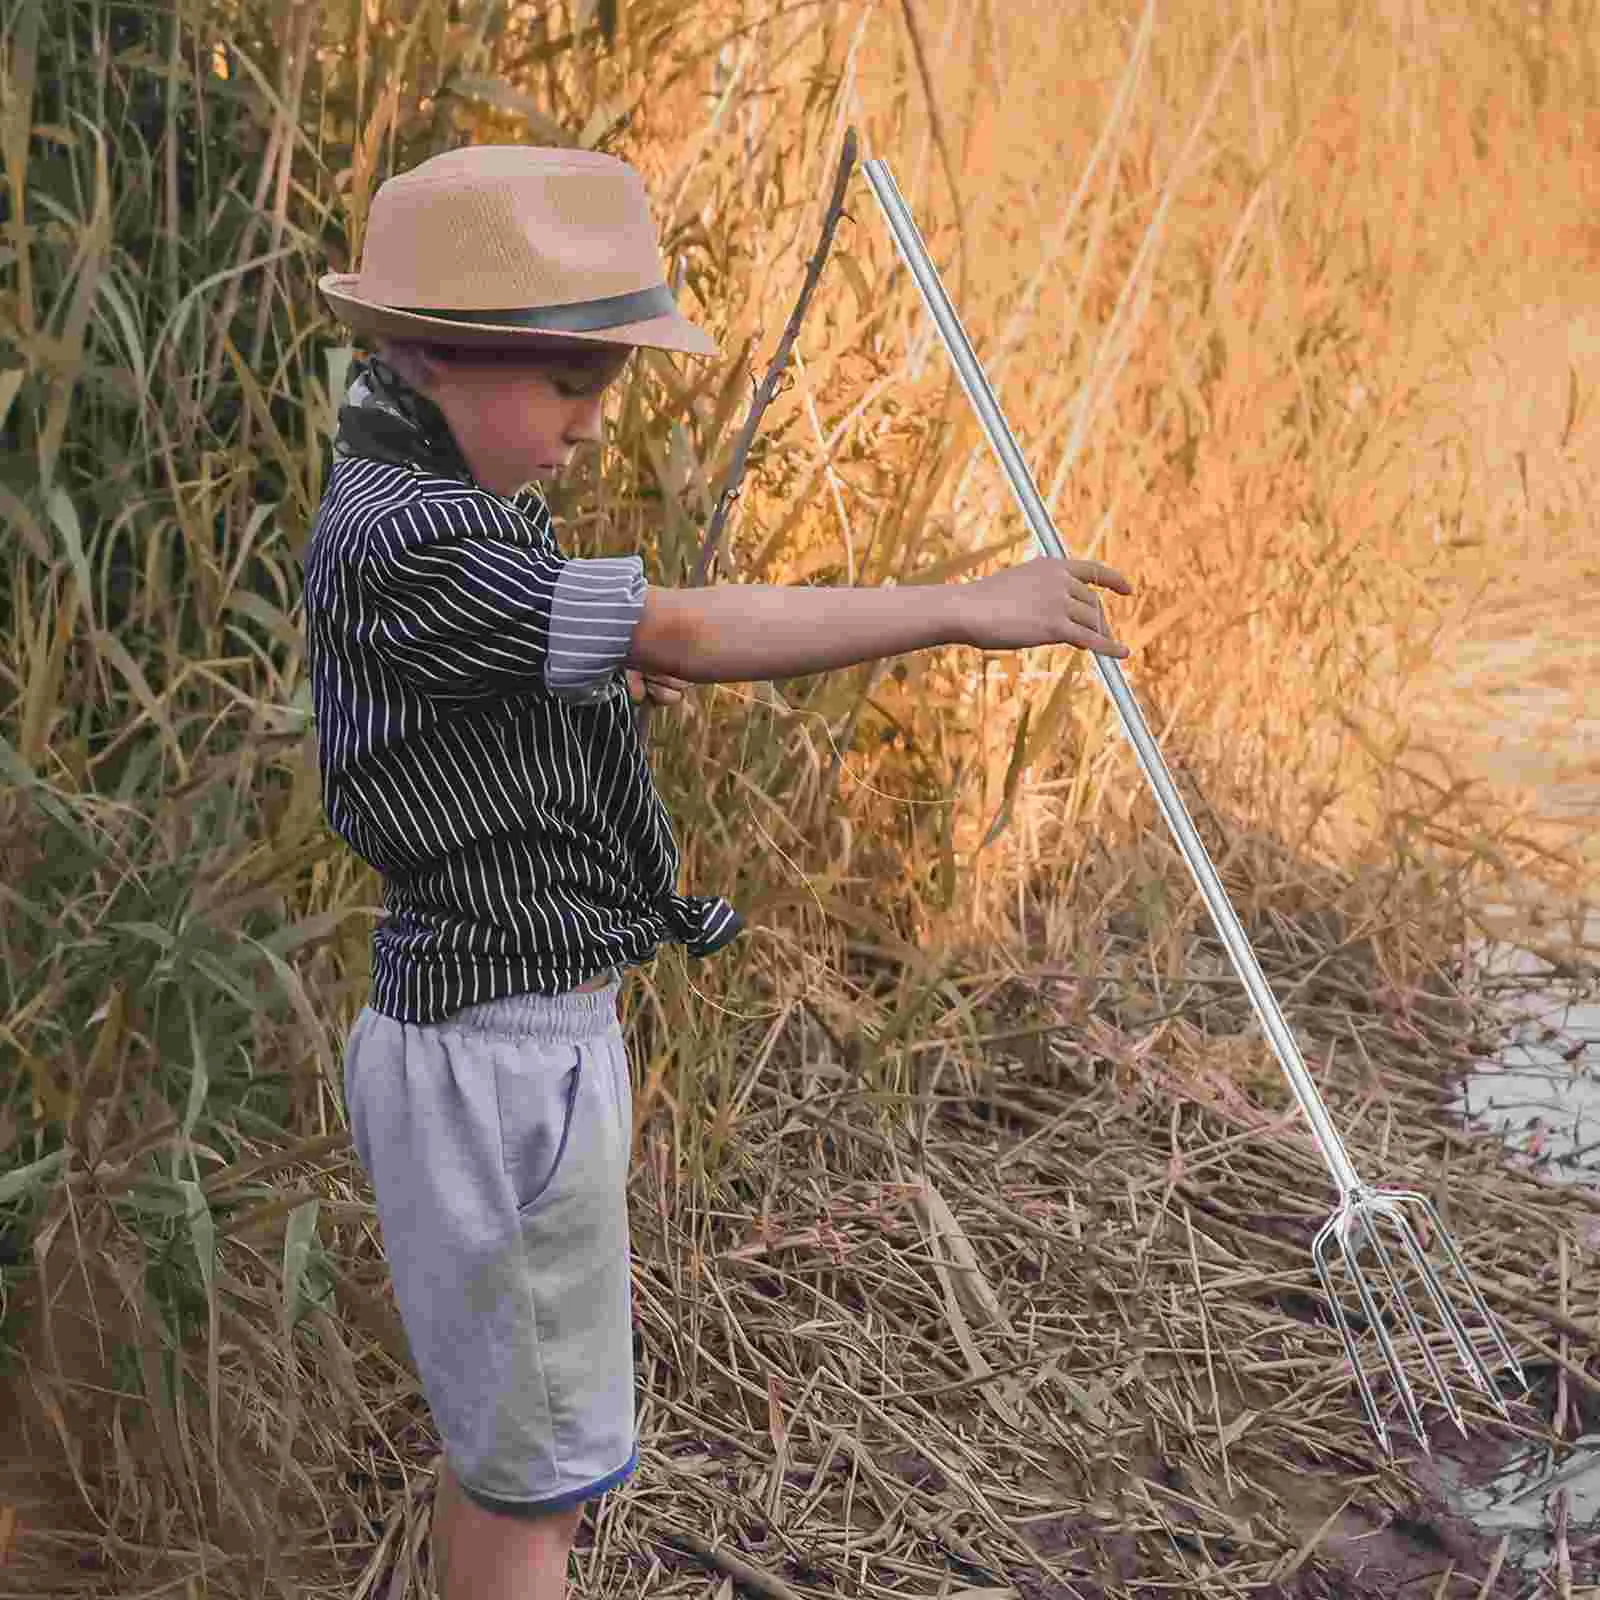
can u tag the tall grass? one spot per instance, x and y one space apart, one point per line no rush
1212 257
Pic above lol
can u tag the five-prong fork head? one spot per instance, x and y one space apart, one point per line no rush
1374 1242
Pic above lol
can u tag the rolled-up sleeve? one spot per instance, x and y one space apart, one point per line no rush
592 621
462 616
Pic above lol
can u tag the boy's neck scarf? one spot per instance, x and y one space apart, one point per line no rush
385 419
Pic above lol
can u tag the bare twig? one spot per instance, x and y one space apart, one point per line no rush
1487 1587
1563 1546
742 1572
767 392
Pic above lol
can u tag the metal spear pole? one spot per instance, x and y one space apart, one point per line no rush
915 255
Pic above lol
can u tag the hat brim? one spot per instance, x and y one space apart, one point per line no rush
670 332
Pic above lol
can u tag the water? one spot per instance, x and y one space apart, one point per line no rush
1541 1090
1518 1499
1510 696
1541 1093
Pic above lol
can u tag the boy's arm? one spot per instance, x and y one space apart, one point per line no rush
460 614
734 633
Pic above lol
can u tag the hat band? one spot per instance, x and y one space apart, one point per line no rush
581 316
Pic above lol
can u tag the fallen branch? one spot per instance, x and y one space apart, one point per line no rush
741 1571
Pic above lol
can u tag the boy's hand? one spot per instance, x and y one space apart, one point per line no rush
1044 601
661 690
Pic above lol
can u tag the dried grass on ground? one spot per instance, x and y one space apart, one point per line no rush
999 1281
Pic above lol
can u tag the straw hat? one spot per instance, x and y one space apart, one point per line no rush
497 245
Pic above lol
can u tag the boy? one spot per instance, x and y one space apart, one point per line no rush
473 694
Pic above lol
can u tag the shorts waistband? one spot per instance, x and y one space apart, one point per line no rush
545 1018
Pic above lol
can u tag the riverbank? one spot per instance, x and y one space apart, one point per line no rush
1002 1285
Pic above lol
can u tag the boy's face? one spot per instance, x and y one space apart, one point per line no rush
518 415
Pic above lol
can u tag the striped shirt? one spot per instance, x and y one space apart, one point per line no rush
476 741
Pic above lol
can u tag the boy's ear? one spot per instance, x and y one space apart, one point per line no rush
421 365
432 364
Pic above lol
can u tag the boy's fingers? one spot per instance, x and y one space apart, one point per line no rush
1102 645
1091 631
1090 616
1097 572
1087 603
663 690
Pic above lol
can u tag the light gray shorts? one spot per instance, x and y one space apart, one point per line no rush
497 1143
